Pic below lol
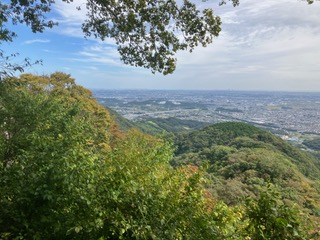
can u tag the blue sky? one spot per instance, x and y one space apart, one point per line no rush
264 45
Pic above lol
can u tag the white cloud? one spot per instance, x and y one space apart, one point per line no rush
36 41
270 44
69 12
263 45
99 54
70 18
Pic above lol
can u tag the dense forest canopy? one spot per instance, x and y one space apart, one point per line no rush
313 144
247 159
68 172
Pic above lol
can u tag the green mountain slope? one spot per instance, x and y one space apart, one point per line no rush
156 126
123 123
313 144
171 125
244 160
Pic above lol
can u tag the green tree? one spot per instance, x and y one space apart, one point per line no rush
147 32
143 197
47 166
59 179
61 86
271 219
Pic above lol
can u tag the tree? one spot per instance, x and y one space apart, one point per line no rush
271 219
59 179
62 86
148 32
48 165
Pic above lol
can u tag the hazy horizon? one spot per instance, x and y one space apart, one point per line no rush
203 90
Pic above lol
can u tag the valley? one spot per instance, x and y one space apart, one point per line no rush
292 116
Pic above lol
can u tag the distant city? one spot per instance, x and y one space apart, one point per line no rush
281 112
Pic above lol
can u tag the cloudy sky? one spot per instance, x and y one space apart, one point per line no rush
264 45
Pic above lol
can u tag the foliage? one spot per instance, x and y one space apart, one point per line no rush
271 219
146 30
50 145
148 33
62 86
313 144
47 165
68 172
168 125
241 136
217 134
144 198
32 14
243 160
59 179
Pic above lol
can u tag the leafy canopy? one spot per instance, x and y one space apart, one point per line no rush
60 178
66 173
148 32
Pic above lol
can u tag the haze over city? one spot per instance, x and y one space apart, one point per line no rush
264 45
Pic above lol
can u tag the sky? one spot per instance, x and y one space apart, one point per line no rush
270 45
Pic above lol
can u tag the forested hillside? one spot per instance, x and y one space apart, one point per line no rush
69 172
157 126
313 144
169 125
243 160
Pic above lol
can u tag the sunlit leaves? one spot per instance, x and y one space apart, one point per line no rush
269 218
62 86
149 33
61 179
57 182
47 168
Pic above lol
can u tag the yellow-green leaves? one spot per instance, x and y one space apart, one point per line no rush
56 136
60 179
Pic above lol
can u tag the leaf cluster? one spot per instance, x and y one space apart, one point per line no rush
271 219
31 13
148 33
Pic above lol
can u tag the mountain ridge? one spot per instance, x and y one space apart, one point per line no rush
242 160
